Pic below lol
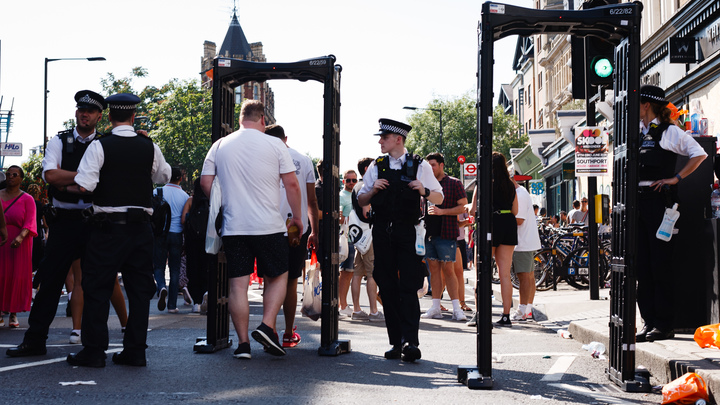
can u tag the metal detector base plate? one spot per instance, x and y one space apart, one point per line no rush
640 384
470 376
335 348
202 346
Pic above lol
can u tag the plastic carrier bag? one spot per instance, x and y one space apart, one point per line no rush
708 335
213 241
685 390
312 291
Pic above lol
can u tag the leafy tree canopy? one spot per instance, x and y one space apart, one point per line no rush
459 120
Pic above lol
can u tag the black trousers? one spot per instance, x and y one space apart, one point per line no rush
399 275
655 296
126 248
66 243
196 267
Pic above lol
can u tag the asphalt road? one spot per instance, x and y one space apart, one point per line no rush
532 364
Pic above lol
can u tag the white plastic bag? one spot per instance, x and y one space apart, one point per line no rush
312 294
213 241
343 249
359 233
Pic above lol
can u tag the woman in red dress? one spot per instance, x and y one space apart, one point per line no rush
16 254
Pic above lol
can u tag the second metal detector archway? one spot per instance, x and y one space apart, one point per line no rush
620 25
227 74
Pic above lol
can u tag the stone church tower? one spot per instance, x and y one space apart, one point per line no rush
236 46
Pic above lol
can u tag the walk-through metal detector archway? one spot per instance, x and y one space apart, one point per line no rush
228 74
619 24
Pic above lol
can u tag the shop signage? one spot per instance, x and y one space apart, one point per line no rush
10 149
682 50
591 151
709 39
537 187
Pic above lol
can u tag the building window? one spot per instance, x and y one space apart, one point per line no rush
529 94
540 83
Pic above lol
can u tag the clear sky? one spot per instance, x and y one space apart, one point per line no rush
393 53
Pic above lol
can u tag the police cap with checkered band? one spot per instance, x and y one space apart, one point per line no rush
123 101
90 99
388 126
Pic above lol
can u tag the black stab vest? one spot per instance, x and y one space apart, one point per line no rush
126 173
655 162
72 153
398 202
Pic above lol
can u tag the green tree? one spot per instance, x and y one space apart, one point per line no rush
33 174
459 132
177 116
182 125
150 97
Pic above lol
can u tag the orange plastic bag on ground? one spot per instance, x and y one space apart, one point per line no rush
708 335
685 390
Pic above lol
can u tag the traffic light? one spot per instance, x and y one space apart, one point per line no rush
577 62
600 61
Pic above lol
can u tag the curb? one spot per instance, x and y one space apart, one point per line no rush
664 362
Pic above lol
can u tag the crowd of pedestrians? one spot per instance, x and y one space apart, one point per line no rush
101 189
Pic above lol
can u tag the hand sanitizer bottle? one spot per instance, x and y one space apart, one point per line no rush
668 223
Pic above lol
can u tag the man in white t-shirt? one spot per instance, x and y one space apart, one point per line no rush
249 166
524 254
305 172
580 216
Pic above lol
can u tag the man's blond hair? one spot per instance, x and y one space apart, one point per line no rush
251 110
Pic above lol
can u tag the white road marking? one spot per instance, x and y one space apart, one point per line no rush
587 392
45 362
537 354
558 369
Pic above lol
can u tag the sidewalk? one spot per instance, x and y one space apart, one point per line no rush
587 321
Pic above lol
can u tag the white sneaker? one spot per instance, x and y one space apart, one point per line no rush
520 315
459 315
196 308
347 312
432 313
75 338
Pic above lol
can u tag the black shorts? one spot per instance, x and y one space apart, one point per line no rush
297 257
504 230
271 252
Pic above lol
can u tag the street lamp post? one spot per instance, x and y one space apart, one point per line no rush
437 110
47 60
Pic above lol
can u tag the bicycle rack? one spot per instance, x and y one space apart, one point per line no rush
620 24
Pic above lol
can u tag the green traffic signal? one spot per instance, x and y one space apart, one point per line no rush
603 67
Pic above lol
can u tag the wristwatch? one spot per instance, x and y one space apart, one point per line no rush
427 192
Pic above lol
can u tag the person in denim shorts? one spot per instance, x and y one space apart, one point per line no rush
441 239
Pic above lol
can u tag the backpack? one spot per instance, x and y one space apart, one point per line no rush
197 218
161 214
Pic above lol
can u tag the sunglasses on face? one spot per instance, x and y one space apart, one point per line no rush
12 174
584 202
350 180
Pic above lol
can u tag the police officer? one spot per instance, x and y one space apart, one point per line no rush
393 185
68 232
662 141
119 170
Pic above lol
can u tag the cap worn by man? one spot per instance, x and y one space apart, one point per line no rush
123 101
388 126
89 99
